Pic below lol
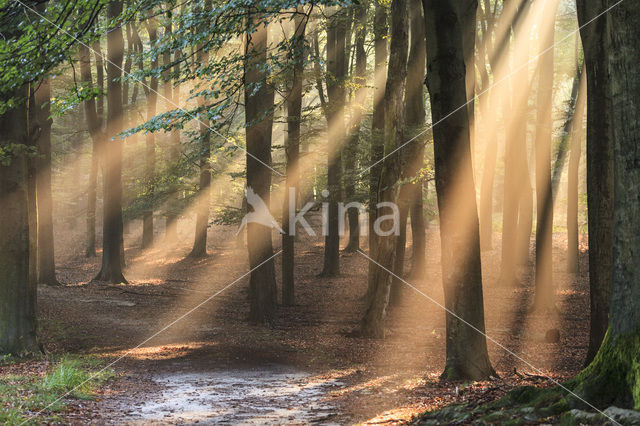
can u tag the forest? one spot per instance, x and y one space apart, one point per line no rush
333 212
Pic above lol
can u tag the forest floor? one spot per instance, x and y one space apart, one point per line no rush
210 365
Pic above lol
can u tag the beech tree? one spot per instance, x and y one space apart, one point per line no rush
259 98
372 324
112 231
467 356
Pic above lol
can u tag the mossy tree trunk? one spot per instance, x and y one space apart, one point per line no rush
17 293
599 169
467 356
613 378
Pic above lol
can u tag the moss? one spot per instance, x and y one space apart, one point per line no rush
613 378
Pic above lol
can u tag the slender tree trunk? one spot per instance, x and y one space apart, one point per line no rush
94 111
292 151
17 293
259 120
46 257
337 134
412 154
517 184
112 265
544 291
150 143
599 168
377 131
357 109
467 356
613 377
372 324
572 181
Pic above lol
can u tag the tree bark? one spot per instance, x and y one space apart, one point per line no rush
112 235
599 169
17 292
613 377
467 356
259 125
372 324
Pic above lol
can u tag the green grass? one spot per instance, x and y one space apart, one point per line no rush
69 378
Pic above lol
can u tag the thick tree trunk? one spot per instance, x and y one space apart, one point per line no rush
599 168
544 291
467 356
412 154
337 134
572 176
259 120
377 130
17 293
112 238
357 109
613 378
150 144
292 151
46 256
372 324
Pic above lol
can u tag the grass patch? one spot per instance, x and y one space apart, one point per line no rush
69 377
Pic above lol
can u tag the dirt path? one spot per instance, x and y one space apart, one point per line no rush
214 367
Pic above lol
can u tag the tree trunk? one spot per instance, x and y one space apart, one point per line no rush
112 237
544 291
150 143
46 257
599 169
467 356
357 109
17 293
259 124
572 181
204 192
613 377
94 110
336 73
517 203
377 130
412 154
292 151
372 324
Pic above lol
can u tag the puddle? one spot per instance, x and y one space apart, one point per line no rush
265 395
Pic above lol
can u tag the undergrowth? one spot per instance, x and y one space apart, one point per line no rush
24 395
